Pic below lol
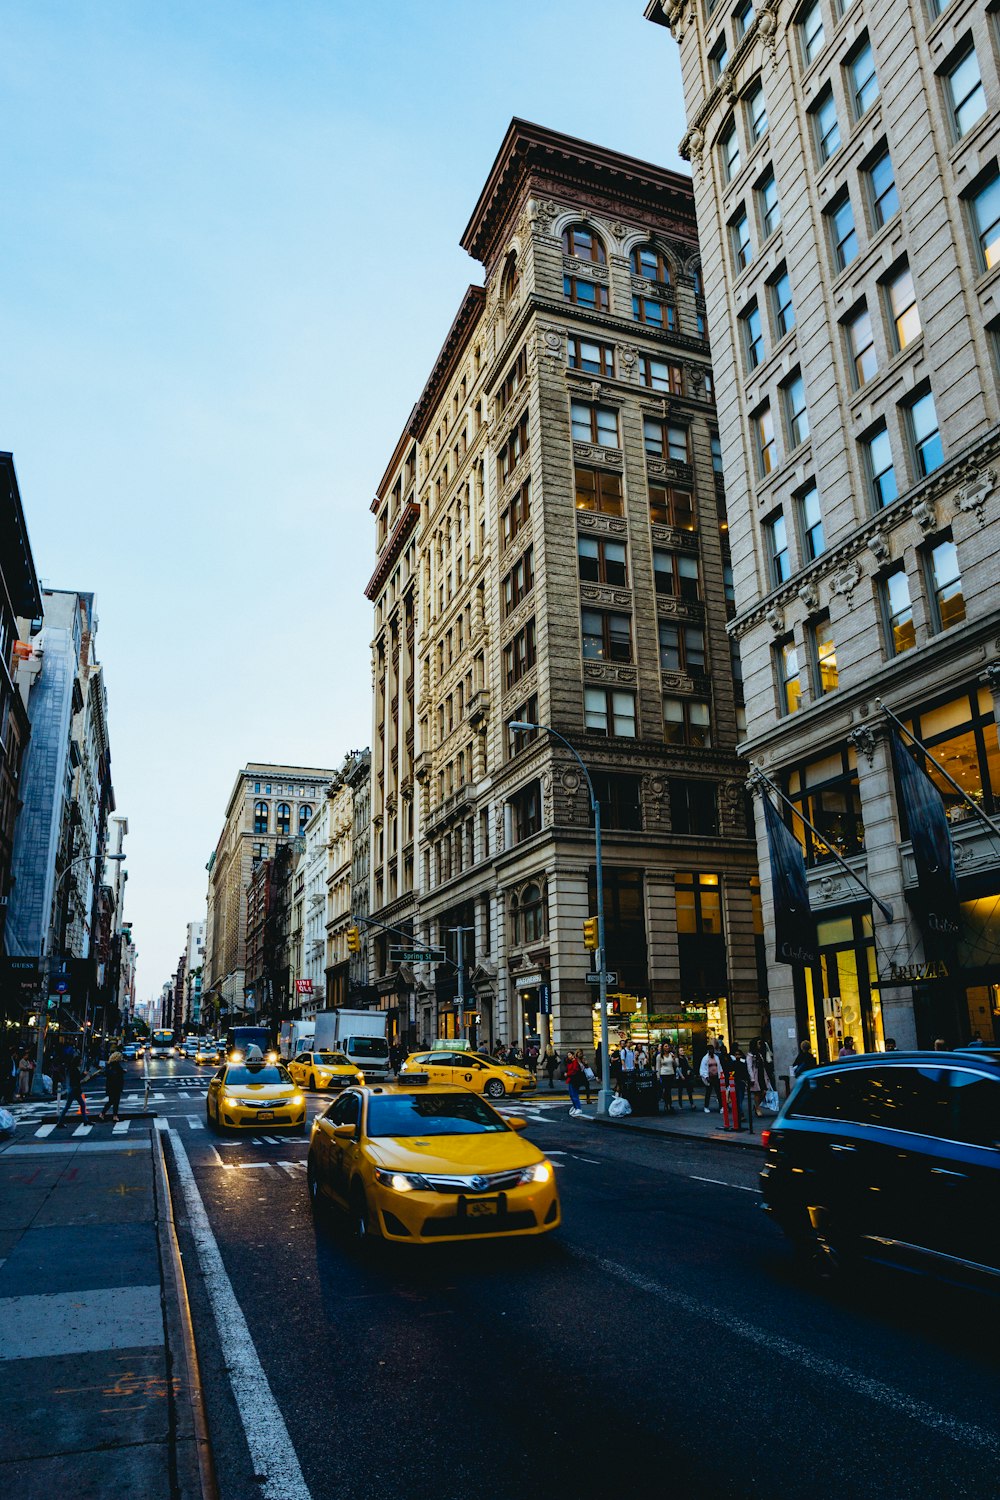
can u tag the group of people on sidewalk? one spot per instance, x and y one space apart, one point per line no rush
674 1072
64 1065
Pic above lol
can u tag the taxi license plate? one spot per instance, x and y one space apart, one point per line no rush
265 1114
478 1208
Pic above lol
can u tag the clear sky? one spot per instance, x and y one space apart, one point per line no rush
230 256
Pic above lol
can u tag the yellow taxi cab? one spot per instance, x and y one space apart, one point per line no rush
324 1070
417 1163
471 1070
245 1095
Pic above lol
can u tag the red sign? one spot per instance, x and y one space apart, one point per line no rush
304 986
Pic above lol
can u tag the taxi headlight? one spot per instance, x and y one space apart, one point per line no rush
298 1099
510 1074
540 1172
400 1182
272 1057
236 1057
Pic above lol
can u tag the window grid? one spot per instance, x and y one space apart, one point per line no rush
825 675
845 237
965 89
986 215
784 309
779 560
900 629
827 127
665 440
742 248
757 113
767 451
885 198
882 475
676 573
594 424
590 356
903 308
753 334
864 80
687 721
946 584
789 680
731 153
770 207
608 711
796 411
811 523
682 647
861 342
925 434
813 34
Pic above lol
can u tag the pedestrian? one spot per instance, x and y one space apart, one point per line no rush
641 1056
741 1077
114 1082
615 1069
890 1044
8 1074
804 1060
586 1074
848 1048
760 1076
598 1056
666 1072
627 1055
685 1078
711 1077
977 1039
74 1087
25 1073
550 1062
574 1078
723 1054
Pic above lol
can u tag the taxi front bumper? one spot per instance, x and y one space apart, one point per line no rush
422 1217
239 1116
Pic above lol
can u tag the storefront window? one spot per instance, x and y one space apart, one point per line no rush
827 793
701 945
840 993
624 926
961 734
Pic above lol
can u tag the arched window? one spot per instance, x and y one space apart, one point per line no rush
532 913
284 820
305 813
650 262
260 817
581 241
511 278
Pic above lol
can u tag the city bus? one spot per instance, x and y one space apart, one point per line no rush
161 1044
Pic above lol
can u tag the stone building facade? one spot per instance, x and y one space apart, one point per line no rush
846 178
553 547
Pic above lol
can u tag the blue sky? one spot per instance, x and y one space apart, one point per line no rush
230 257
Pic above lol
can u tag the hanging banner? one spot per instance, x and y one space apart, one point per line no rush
933 853
794 924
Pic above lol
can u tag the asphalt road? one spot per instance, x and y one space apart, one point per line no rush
662 1342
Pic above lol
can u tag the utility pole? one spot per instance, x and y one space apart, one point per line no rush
459 933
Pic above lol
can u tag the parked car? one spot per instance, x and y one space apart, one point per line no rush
893 1156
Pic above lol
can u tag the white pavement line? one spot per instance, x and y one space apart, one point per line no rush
217 1159
83 1130
719 1183
244 1165
121 1128
592 1163
271 1450
161 1123
158 1098
43 1131
194 1122
867 1387
183 1094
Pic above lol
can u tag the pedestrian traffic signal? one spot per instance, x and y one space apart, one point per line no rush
353 940
590 933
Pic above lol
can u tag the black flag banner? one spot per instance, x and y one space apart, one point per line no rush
794 924
933 853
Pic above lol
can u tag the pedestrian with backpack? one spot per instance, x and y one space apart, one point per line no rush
574 1078
74 1088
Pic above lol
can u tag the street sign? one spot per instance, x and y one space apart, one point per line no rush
398 955
612 976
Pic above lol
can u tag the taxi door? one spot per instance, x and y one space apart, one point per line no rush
341 1150
297 1067
439 1067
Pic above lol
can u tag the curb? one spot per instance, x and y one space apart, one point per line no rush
732 1138
195 1477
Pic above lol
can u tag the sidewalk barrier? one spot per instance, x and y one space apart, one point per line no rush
730 1108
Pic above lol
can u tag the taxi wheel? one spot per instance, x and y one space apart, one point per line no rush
312 1082
360 1220
208 1117
316 1199
494 1089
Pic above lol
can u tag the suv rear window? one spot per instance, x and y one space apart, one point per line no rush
896 1098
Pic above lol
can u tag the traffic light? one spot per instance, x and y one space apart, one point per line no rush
353 940
590 933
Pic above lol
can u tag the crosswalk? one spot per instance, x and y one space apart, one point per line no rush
185 1123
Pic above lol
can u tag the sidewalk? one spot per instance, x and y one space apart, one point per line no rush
685 1124
93 1357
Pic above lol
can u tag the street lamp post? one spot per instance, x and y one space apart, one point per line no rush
43 1010
604 1095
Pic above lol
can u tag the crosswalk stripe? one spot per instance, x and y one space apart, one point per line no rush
43 1131
121 1128
83 1130
183 1094
194 1124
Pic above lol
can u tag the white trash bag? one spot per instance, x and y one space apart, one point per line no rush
7 1122
771 1102
619 1108
47 1088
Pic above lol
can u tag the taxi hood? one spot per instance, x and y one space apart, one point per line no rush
446 1154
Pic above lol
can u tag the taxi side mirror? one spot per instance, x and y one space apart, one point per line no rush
343 1132
517 1122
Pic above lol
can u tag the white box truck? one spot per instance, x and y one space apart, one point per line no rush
359 1033
296 1037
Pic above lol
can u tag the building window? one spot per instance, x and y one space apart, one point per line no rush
606 637
598 491
756 113
924 434
768 206
779 562
693 807
861 343
824 657
594 424
602 561
513 450
878 462
650 263
305 813
843 233
529 914
518 582
813 35
947 599
811 524
260 817
672 507
882 181
608 711
965 92
716 443
897 611
654 314
619 797
863 79
525 713
903 307
583 244
687 721
676 573
744 18
827 793
753 336
730 150
665 440
256 786
781 302
583 292
796 411
283 822
719 56
826 126
526 811
519 655
767 448
516 514
513 381
986 215
659 375
789 680
962 735
590 356
742 248
682 648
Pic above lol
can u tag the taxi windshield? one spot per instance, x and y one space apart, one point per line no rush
248 1074
334 1059
430 1114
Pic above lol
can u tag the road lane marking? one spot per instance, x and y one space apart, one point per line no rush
194 1122
719 1183
121 1128
161 1123
271 1449
43 1131
83 1130
768 1342
592 1163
